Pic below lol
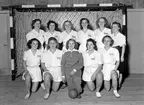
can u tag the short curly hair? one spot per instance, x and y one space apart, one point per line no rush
54 39
67 43
34 21
94 43
107 36
30 42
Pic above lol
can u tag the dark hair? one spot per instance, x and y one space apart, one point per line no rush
118 24
34 21
70 24
88 26
106 22
94 43
56 25
76 45
107 36
30 42
54 39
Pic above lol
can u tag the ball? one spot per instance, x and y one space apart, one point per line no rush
73 93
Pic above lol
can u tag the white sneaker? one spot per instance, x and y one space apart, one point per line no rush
98 94
117 95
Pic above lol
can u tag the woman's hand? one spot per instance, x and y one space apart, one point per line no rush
72 72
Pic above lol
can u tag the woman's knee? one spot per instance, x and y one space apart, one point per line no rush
91 86
27 77
114 75
47 77
99 76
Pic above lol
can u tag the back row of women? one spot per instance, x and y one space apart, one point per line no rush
100 55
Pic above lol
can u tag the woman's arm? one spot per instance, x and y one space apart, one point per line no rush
122 53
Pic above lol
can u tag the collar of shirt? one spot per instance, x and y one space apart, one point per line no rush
72 50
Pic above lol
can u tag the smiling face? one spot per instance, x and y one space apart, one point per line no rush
34 45
107 42
67 26
115 28
84 23
37 25
71 45
90 46
52 44
101 22
51 26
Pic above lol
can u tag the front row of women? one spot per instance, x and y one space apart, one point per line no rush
67 68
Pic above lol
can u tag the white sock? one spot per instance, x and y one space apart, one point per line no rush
98 94
116 93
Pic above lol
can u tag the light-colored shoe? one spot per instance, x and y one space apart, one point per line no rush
98 94
27 96
46 96
117 95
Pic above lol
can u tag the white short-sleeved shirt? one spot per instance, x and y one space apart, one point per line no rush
109 56
83 37
92 60
34 34
56 34
100 34
119 39
52 59
66 36
31 59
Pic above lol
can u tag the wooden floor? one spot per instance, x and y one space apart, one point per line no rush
132 93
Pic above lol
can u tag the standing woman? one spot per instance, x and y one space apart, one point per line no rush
92 67
36 32
31 64
51 63
110 64
53 31
84 34
120 44
72 63
68 33
101 31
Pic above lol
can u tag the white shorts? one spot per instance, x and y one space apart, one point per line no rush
55 72
35 73
107 69
87 74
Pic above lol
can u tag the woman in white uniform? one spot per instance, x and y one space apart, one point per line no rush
110 64
101 31
36 32
84 34
92 67
31 63
51 63
53 31
120 44
68 33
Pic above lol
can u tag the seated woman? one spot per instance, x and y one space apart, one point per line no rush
51 63
92 67
110 64
31 63
72 62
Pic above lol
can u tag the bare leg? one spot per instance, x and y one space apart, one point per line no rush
107 85
56 86
28 85
91 86
35 86
114 77
99 81
120 79
47 82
